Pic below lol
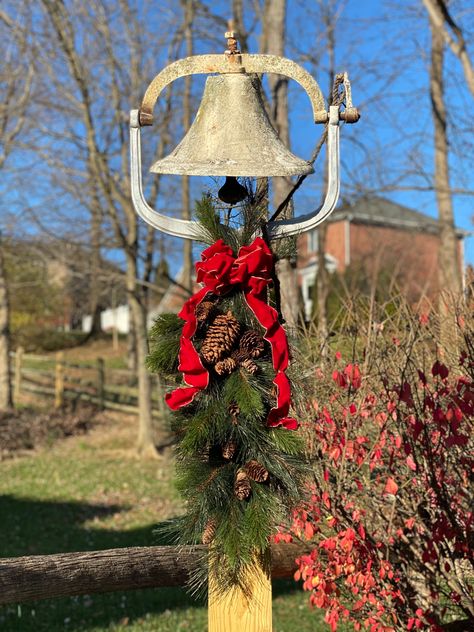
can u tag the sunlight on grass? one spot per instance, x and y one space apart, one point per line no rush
89 493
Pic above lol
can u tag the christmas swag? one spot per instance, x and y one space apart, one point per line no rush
240 468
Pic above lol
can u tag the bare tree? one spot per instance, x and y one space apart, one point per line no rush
449 269
273 42
6 400
188 7
239 25
322 275
442 20
16 81
95 306
99 105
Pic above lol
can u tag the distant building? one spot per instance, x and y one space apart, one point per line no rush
119 317
372 233
377 235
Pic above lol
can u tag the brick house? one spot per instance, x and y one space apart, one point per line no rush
374 233
378 236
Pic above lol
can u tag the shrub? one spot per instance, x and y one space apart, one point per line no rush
390 509
37 340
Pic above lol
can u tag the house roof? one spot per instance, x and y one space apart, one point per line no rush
381 212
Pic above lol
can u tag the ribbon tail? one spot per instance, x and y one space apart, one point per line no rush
278 414
195 375
276 336
181 397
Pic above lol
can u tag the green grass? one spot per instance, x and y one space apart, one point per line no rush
89 493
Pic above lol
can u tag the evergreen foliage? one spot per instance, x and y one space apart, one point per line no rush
233 408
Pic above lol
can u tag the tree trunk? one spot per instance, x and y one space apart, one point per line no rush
448 261
239 26
185 190
322 289
131 344
441 19
274 44
138 315
322 275
6 401
94 273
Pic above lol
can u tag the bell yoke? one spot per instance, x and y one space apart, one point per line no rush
232 136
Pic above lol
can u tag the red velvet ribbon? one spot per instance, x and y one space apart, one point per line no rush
219 272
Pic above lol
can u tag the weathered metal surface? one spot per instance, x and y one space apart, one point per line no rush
276 230
232 136
303 223
208 64
223 141
169 225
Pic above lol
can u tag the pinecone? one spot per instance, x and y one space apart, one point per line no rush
228 450
225 366
250 366
242 487
239 356
252 344
256 471
220 338
204 311
234 411
209 531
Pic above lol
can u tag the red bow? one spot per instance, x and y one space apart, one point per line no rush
218 271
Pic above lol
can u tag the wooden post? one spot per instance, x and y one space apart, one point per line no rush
239 611
101 382
17 389
59 380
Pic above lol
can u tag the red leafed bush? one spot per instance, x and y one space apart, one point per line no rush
390 509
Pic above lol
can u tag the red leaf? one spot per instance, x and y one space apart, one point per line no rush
390 487
339 378
440 369
456 440
353 374
424 319
411 463
406 395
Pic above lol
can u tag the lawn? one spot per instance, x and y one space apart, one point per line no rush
92 492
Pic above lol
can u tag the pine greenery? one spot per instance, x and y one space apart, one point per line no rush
205 477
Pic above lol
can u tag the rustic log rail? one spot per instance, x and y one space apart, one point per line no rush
38 577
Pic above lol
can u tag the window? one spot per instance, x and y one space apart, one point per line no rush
313 240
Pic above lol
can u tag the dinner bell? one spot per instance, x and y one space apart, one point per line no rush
232 135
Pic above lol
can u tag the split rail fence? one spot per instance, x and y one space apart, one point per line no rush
66 574
63 380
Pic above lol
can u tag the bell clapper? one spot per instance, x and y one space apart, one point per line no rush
232 192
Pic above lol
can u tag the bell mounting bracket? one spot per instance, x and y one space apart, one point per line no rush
241 63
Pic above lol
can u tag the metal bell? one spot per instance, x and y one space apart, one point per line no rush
232 136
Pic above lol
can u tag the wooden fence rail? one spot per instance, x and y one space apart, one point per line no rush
64 380
65 574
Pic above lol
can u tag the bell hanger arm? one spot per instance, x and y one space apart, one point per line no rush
186 229
297 225
246 63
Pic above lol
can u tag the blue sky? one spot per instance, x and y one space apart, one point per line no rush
385 48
